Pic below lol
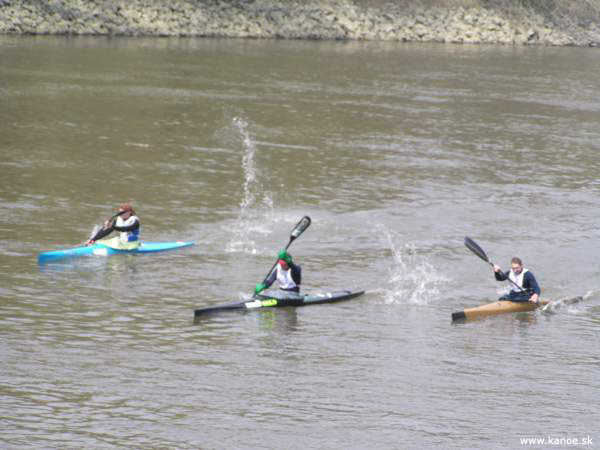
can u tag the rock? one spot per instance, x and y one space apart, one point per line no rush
306 19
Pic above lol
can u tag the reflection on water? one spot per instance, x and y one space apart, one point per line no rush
276 322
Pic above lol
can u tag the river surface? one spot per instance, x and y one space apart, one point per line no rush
396 152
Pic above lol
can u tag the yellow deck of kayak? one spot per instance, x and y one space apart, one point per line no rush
117 244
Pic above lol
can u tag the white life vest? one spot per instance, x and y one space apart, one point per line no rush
127 236
518 279
284 278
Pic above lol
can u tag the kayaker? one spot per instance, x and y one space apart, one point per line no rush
530 290
287 274
127 223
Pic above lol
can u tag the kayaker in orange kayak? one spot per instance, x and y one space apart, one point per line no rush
520 278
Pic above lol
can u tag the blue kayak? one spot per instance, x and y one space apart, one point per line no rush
100 249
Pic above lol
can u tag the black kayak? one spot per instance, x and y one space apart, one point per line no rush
272 299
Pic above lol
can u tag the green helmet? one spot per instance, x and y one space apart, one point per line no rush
283 254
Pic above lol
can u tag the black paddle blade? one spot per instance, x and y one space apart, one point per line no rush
300 227
471 245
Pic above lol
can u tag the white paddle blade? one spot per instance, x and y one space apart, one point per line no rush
94 231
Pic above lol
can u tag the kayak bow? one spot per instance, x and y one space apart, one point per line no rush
101 249
279 299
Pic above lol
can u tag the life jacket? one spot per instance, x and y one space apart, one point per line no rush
128 236
517 279
289 279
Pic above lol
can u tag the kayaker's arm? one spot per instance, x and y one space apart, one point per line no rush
271 278
267 282
296 273
499 275
102 233
531 284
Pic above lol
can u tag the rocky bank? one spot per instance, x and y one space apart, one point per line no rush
310 19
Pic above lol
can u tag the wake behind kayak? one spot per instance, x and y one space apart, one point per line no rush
276 299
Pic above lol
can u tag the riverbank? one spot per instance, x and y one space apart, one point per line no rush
447 22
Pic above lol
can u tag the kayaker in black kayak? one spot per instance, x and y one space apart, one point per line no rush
287 274
530 290
127 223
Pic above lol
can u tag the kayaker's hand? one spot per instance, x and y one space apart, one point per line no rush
534 298
89 242
259 288
497 268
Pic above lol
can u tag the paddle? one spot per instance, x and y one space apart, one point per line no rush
98 228
94 232
296 232
471 245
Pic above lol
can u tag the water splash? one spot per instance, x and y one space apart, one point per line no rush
590 294
572 303
554 306
256 206
247 164
412 278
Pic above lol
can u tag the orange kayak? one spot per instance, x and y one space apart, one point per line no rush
499 307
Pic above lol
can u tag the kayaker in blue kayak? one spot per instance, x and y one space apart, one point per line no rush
126 223
287 274
520 278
